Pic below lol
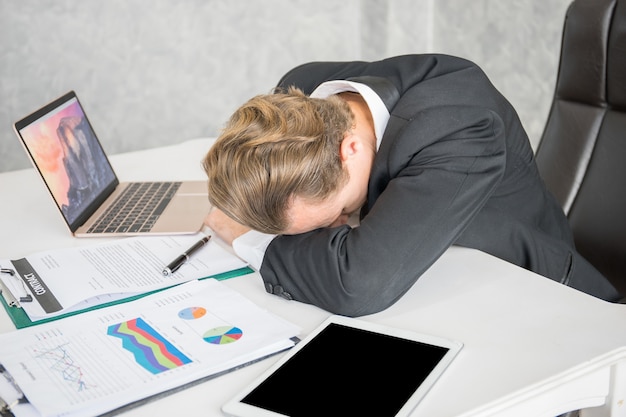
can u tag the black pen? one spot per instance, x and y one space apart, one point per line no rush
180 260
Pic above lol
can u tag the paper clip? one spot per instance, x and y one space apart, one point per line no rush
25 297
5 407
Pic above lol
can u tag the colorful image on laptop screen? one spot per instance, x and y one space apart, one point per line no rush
69 157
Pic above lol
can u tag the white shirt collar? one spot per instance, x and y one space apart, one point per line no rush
379 111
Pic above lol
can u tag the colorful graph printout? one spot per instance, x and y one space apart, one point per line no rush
223 335
151 350
192 313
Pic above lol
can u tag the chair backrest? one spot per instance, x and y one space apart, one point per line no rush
582 153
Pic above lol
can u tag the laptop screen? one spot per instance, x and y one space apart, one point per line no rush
65 150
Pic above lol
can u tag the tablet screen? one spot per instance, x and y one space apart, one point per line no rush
346 370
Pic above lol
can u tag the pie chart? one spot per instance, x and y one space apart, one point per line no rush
191 313
222 335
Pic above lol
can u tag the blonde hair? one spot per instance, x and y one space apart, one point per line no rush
273 148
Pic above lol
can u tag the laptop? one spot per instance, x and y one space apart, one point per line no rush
66 152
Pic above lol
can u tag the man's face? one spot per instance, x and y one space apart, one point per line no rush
306 215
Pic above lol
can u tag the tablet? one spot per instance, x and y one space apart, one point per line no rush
348 367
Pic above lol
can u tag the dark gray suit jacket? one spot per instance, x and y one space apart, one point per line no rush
454 167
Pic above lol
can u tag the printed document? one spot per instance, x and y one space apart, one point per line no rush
101 360
64 280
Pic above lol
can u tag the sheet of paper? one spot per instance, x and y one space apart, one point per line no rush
63 280
98 361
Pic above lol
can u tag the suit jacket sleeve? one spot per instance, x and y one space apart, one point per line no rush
441 157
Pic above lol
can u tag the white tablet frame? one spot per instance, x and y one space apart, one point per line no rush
236 408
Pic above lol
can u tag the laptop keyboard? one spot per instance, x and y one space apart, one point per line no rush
137 209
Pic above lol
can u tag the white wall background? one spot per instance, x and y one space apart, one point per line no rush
157 72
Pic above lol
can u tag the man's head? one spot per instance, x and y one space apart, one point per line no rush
278 150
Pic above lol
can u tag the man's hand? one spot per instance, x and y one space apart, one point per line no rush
225 227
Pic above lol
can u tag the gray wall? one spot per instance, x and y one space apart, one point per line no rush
157 72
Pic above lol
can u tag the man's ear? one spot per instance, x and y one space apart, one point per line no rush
349 146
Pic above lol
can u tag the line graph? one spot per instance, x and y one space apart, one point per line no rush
61 362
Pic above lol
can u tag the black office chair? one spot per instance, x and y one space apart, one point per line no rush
582 153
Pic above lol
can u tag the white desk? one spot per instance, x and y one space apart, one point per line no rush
532 347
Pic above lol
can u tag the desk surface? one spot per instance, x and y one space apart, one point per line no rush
532 347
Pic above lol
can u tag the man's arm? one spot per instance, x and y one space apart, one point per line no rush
225 227
248 244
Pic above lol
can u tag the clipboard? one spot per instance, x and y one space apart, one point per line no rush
21 320
5 408
276 334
